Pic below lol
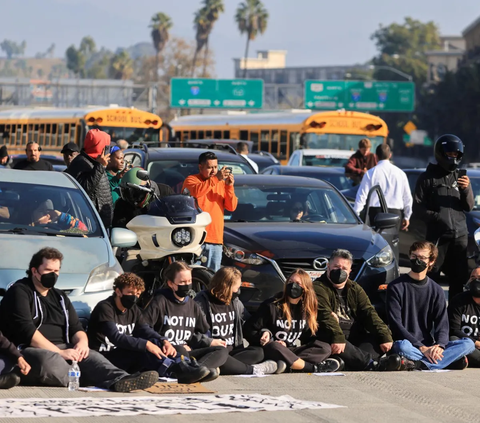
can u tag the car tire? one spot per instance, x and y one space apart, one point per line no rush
201 278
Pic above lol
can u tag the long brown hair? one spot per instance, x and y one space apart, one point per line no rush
222 283
309 301
174 268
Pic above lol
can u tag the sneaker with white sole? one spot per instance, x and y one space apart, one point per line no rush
266 368
329 365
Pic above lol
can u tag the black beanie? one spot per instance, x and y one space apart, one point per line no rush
3 151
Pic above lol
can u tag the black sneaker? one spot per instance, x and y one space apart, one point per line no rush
408 365
329 365
185 372
389 363
460 364
212 374
136 381
9 380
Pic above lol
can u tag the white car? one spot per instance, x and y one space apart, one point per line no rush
50 209
320 157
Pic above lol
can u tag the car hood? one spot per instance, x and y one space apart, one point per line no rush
81 256
295 239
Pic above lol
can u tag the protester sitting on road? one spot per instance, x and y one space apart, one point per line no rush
285 326
46 214
417 315
116 170
41 320
88 168
174 315
118 331
464 315
226 315
12 364
133 201
33 160
345 312
70 151
360 162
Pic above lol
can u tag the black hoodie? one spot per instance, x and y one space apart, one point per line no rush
181 322
441 204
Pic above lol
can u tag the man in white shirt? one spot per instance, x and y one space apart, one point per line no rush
394 184
242 149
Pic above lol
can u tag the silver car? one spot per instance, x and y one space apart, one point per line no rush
50 209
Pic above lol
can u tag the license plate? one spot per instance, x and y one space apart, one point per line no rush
314 274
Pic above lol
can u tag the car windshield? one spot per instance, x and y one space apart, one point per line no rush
174 172
339 181
324 160
290 204
132 135
41 209
338 141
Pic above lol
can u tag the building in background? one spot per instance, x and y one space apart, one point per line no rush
445 59
284 85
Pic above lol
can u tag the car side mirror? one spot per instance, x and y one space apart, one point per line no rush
123 238
385 221
476 237
143 175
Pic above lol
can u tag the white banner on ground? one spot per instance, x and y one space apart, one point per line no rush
151 405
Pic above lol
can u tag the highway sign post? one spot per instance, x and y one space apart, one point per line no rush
204 93
379 96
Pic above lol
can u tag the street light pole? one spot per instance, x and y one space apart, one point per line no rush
398 72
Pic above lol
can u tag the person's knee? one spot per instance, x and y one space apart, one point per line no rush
49 367
403 345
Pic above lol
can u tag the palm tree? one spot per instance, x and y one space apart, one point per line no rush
251 18
203 22
160 24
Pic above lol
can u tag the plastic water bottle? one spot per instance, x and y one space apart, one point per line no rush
74 377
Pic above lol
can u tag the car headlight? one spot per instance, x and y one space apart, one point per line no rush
383 258
241 255
181 237
101 278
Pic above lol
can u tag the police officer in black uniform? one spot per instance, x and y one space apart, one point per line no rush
442 196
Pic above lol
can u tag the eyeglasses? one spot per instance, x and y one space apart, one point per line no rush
414 256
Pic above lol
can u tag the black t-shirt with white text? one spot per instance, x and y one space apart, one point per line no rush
222 320
464 317
106 311
180 322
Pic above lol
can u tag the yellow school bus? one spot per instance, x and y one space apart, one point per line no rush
52 128
283 132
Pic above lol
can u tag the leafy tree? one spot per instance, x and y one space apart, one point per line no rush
75 61
204 21
87 47
11 48
121 66
251 18
160 24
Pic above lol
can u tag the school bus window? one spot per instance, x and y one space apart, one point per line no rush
217 135
22 134
72 133
201 135
12 133
265 141
274 142
254 138
185 136
193 135
244 135
294 142
208 135
60 134
282 146
66 134
226 135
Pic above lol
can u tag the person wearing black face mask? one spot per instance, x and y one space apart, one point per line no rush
41 319
464 316
173 314
117 330
344 312
283 322
440 200
226 315
417 315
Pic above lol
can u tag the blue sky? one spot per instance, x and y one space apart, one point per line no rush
314 32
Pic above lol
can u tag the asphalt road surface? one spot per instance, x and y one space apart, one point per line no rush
368 397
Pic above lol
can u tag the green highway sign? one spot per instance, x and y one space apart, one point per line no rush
379 96
204 93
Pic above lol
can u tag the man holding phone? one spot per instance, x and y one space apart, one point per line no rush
442 196
213 189
89 169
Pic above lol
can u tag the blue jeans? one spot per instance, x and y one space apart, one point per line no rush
213 254
454 351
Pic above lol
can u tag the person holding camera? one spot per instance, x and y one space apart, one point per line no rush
442 196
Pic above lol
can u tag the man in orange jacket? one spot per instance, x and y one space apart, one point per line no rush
214 192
